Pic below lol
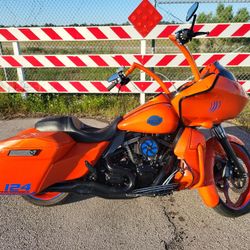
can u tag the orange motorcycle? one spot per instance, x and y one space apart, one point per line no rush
153 150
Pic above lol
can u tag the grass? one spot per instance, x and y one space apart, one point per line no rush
117 47
243 119
104 107
127 46
99 106
88 74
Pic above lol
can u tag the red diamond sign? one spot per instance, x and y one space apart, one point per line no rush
145 17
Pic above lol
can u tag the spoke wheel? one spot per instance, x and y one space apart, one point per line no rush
234 189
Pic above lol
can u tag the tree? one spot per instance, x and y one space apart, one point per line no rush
222 15
242 16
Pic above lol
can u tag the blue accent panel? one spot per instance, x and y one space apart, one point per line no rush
154 120
149 148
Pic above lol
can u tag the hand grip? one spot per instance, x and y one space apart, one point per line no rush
111 86
200 33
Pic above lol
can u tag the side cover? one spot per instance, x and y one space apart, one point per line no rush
191 148
33 160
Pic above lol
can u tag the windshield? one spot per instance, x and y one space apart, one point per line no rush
224 72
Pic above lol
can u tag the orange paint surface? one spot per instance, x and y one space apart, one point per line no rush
138 119
210 101
188 56
190 148
208 191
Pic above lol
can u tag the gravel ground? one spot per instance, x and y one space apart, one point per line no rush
180 221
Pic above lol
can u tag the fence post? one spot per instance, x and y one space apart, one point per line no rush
143 74
4 69
20 71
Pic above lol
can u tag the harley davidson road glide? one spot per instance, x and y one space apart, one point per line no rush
153 150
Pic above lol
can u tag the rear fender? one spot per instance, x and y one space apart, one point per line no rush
208 191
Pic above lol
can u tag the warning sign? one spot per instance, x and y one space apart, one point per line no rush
145 17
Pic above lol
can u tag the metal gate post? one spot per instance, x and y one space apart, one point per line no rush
20 71
143 74
4 69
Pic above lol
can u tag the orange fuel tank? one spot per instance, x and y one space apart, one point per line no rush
154 117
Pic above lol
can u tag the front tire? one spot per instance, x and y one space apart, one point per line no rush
240 206
47 199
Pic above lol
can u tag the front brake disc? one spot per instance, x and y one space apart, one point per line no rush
239 179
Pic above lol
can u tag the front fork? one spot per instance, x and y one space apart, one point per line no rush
221 136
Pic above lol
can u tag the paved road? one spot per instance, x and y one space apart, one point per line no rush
176 222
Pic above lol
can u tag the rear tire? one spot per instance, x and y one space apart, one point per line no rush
241 206
47 199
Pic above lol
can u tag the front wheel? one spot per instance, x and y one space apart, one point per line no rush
234 190
47 199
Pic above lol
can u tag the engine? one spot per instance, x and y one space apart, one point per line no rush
138 162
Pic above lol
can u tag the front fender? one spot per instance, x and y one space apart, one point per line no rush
208 192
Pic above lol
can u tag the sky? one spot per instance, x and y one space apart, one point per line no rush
65 12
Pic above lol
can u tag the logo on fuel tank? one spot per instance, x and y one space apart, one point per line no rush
154 120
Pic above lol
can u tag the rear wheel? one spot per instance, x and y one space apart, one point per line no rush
47 199
233 188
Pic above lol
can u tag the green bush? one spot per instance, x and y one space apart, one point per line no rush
105 107
244 118
102 106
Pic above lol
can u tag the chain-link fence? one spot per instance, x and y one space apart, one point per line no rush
111 12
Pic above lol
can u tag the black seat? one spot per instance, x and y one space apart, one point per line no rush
79 131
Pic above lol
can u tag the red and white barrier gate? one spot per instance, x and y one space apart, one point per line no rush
96 33
97 87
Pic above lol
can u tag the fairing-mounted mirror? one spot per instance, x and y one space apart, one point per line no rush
192 11
113 77
117 75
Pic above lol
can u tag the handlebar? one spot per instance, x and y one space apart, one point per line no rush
123 79
118 78
111 86
149 73
181 38
200 33
186 35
